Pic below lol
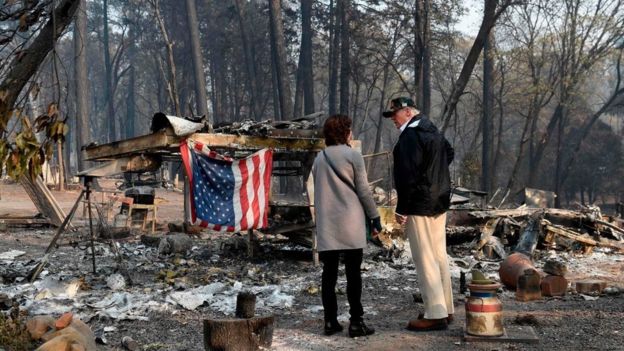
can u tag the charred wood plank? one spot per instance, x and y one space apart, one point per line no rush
513 213
580 237
145 143
456 235
43 199
612 226
254 142
24 221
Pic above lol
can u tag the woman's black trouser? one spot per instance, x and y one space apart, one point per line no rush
353 261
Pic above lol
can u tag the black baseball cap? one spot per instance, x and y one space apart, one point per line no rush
397 104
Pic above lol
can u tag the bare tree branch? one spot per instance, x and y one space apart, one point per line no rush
24 66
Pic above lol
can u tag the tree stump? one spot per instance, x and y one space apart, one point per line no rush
245 305
246 333
238 334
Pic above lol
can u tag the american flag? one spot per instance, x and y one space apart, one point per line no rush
227 194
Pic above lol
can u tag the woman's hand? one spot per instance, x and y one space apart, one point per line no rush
375 223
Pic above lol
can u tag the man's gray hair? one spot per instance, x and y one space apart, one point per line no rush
414 109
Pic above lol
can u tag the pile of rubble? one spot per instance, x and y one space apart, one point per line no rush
266 127
497 231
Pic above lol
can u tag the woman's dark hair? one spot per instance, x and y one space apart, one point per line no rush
336 130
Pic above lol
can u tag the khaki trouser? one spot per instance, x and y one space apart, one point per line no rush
427 237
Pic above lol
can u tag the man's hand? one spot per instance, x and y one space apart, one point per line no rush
399 218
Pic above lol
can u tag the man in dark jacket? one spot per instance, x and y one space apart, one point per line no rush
422 180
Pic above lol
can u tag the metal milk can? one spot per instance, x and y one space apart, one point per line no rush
484 311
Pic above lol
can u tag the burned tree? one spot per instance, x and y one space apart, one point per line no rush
18 71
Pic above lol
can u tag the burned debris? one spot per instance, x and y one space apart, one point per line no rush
177 268
557 229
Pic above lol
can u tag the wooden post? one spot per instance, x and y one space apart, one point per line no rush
250 246
59 149
245 304
87 182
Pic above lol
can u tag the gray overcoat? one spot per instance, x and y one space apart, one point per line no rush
340 210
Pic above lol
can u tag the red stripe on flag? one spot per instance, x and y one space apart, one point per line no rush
199 147
244 201
255 206
217 227
268 163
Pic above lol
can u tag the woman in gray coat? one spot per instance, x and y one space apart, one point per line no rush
343 203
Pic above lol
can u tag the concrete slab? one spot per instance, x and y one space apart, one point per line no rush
521 334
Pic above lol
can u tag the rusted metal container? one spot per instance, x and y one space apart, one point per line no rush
529 286
513 267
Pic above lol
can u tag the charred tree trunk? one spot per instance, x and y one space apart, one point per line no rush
218 66
386 76
490 15
345 63
172 86
250 62
304 91
424 92
418 52
334 47
499 135
278 46
298 107
587 127
306 55
201 99
24 66
131 119
356 101
108 91
244 333
382 107
487 119
524 141
275 91
238 334
558 160
358 120
536 157
82 82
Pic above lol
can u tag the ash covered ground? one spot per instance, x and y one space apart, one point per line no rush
161 301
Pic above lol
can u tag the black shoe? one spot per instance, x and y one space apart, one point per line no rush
359 329
332 328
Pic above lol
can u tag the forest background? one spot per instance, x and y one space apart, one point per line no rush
533 98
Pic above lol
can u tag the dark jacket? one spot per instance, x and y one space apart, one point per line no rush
421 172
